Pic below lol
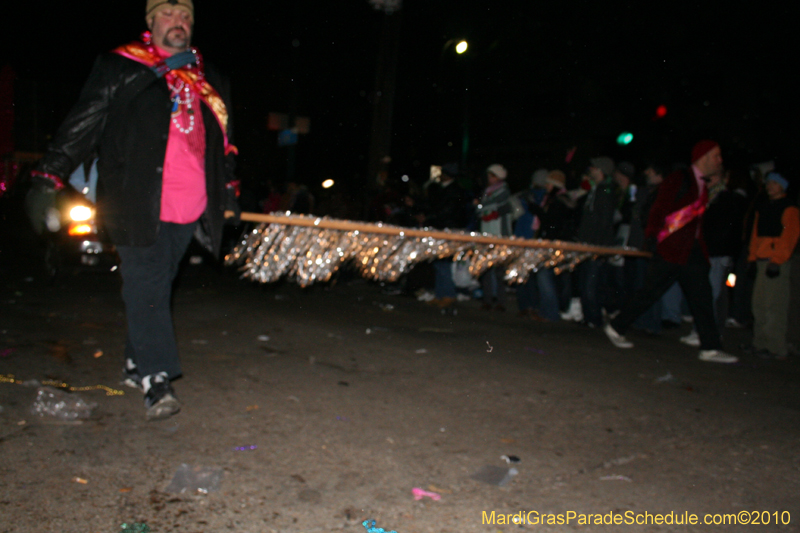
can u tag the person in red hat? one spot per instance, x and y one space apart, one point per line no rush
675 236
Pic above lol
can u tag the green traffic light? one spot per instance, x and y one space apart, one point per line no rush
625 138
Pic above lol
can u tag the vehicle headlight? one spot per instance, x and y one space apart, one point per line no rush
80 229
80 213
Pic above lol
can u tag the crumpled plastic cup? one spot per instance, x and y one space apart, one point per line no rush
198 479
61 405
494 475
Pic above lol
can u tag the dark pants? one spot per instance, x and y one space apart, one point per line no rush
650 320
741 309
564 285
540 292
693 279
528 293
593 280
147 276
548 295
444 286
493 285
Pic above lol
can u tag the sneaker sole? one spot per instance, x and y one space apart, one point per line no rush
132 383
623 345
616 339
164 408
725 361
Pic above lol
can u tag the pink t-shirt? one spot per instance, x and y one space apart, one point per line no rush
183 189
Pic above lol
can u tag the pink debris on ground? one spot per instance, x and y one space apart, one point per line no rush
421 493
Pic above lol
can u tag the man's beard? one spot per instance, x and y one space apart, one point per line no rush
177 42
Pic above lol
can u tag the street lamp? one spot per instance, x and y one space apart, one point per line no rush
460 48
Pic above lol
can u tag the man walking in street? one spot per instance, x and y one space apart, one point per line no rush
675 224
159 119
596 227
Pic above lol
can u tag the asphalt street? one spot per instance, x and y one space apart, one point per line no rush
323 407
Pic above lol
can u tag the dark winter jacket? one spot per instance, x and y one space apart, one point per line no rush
645 197
677 191
597 216
556 216
124 113
446 206
722 224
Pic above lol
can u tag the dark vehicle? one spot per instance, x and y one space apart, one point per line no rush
79 242
59 232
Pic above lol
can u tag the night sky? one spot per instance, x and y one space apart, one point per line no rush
541 77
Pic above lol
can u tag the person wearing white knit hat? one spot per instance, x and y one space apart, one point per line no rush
494 210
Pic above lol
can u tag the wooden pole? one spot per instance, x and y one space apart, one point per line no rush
477 238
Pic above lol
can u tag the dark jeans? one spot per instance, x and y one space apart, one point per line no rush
620 285
741 308
540 292
693 279
528 293
444 286
493 285
548 294
564 285
593 278
650 320
147 276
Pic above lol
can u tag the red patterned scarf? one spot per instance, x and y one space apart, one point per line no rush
194 76
678 219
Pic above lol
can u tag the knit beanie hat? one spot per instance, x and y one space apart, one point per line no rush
606 164
498 170
152 5
557 178
539 177
627 168
702 148
777 178
450 169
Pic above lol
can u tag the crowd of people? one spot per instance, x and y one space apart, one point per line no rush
158 116
701 222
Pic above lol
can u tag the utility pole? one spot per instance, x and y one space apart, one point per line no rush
383 97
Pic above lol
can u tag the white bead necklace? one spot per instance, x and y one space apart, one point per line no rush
177 101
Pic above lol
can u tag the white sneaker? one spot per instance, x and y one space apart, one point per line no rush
717 356
692 339
733 323
425 296
575 311
616 339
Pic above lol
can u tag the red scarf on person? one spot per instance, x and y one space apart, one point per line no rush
193 75
678 219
